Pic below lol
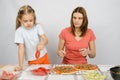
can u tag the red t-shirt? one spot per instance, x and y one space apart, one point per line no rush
72 46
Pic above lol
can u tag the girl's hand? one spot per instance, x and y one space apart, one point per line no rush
40 46
18 68
84 52
61 53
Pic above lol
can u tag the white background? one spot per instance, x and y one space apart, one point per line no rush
54 15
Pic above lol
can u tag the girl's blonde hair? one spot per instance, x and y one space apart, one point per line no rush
26 9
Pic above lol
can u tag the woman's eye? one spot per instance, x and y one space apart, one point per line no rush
74 17
80 18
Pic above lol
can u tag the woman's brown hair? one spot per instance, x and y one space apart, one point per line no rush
26 9
84 25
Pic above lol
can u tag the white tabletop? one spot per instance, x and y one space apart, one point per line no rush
27 75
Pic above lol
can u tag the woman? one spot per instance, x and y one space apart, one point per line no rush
77 41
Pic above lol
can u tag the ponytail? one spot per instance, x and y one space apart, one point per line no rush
18 24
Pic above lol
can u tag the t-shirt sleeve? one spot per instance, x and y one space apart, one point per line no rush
40 30
62 34
92 35
18 37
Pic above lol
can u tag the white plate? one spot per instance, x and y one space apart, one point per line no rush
60 77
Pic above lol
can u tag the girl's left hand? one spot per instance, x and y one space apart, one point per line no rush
40 46
18 68
84 52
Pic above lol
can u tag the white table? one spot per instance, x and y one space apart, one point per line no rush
27 75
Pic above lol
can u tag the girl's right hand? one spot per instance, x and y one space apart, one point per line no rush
61 53
18 68
40 46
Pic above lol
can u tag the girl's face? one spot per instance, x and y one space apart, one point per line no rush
77 19
27 21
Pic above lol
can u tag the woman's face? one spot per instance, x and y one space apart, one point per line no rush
27 21
77 19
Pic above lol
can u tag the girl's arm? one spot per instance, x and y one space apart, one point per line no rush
42 43
21 50
61 51
44 39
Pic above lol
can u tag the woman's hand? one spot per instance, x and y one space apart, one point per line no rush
61 53
84 52
18 68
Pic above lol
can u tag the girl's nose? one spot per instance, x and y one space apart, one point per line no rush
28 23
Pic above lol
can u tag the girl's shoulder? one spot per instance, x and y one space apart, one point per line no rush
19 29
38 25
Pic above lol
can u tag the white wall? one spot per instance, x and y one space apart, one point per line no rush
55 15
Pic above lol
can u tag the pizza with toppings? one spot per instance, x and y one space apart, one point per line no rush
64 69
86 67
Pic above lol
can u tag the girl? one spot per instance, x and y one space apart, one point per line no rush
30 38
77 41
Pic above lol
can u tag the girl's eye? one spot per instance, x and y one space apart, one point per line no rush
31 20
25 21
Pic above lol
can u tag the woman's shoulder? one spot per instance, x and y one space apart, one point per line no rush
66 29
89 30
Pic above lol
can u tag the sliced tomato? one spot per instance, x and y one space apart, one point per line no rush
40 71
7 75
42 68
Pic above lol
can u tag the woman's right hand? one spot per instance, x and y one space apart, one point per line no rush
18 68
61 53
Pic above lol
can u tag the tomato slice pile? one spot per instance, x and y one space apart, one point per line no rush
8 76
41 71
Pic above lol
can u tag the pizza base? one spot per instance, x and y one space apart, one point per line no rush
84 67
60 70
64 73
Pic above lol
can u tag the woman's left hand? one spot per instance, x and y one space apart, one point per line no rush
84 51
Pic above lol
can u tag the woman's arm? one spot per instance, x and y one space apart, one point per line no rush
61 45
91 52
92 49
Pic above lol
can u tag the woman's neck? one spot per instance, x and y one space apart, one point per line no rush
77 32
